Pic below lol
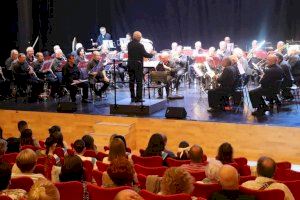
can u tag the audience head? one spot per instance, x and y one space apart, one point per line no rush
183 150
229 178
13 145
50 144
26 160
225 153
57 135
156 145
26 137
79 146
22 125
3 146
176 180
116 149
88 142
196 154
121 137
112 137
54 129
266 167
121 172
72 169
5 175
43 189
212 170
128 194
137 36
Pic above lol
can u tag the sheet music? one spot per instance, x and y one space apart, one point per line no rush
151 64
240 68
80 81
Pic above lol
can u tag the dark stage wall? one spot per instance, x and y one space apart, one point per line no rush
163 21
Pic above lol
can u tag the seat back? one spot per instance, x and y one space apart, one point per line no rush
171 162
284 165
90 153
101 155
59 152
150 170
153 161
244 179
97 175
96 192
264 194
42 144
142 180
151 196
102 166
241 161
205 190
41 160
10 158
39 169
24 183
199 176
29 147
106 148
294 187
88 169
245 170
3 197
70 190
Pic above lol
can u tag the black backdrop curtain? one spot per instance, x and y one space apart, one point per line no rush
163 21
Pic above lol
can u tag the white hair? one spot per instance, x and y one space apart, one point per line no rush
78 45
29 49
222 44
212 169
58 51
198 43
56 47
13 51
164 54
254 42
238 52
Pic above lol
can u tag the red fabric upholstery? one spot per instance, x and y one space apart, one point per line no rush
10 157
286 175
205 190
96 192
70 151
151 196
88 169
41 160
49 163
142 181
150 170
70 190
235 165
24 183
199 176
101 166
59 152
284 165
97 175
245 170
101 155
106 148
90 153
154 161
241 161
39 169
176 163
244 179
29 147
294 187
42 144
265 194
2 197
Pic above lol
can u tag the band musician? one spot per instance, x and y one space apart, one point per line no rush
217 98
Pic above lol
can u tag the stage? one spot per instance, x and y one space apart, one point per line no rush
194 102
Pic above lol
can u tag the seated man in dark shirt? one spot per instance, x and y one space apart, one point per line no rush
229 180
71 76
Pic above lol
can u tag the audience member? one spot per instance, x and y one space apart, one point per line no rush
27 139
121 137
229 180
116 151
50 144
5 176
79 147
128 195
72 169
89 143
22 125
196 156
265 172
170 153
183 151
55 132
176 180
13 145
212 172
155 146
225 153
43 189
3 147
25 164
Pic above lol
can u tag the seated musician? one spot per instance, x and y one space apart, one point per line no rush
217 97
122 67
57 64
37 65
97 74
244 63
288 77
181 62
7 71
281 48
71 76
103 36
198 49
174 46
268 84
80 55
24 74
30 55
55 48
4 86
222 52
294 61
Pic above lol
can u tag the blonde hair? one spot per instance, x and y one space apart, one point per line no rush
26 160
43 189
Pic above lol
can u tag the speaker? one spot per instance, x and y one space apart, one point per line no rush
66 107
176 112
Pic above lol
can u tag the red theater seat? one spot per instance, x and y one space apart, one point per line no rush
59 152
29 147
70 190
3 197
176 163
150 170
106 148
154 161
294 187
241 161
24 183
101 155
151 196
102 166
284 165
199 176
88 169
96 192
264 194
205 190
142 181
97 175
90 153
10 158
244 179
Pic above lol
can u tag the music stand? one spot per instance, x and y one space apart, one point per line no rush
109 44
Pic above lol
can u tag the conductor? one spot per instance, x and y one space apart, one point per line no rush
136 53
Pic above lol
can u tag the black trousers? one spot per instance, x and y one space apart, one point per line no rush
256 97
4 88
136 76
73 90
217 98
286 89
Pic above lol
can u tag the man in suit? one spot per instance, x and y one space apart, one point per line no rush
268 83
103 36
136 54
217 97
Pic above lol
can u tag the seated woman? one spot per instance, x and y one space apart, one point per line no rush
119 173
5 176
72 169
183 151
89 143
225 153
43 189
212 172
156 147
55 132
27 138
116 151
25 165
176 180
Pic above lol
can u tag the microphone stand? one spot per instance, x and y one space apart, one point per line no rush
115 87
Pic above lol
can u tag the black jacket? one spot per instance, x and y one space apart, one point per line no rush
70 73
136 53
228 77
271 76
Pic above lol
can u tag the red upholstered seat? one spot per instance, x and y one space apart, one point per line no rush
284 165
241 161
294 187
142 180
199 176
59 152
153 161
176 163
150 170
2 197
39 169
90 153
151 196
42 144
102 166
244 179
41 160
10 158
96 192
97 175
70 190
205 190
24 183
106 148
245 170
264 194
88 169
101 155
29 147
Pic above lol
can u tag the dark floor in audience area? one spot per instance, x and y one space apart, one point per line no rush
195 103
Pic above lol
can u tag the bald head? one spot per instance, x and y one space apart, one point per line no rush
196 154
128 195
271 59
229 178
137 36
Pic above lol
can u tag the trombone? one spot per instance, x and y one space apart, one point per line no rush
259 65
